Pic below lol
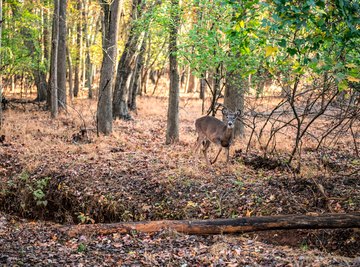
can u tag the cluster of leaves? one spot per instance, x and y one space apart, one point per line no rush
27 195
22 38
313 37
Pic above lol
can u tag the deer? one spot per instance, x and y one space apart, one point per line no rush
212 130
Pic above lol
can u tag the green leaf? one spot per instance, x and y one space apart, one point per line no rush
291 51
343 85
282 43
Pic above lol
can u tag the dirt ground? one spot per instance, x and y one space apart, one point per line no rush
52 173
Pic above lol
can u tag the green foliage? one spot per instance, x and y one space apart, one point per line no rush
81 248
21 40
84 218
313 37
39 191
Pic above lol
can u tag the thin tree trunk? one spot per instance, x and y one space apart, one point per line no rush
109 39
1 89
190 81
89 78
222 226
54 58
121 92
202 92
78 50
137 75
70 74
88 65
62 55
47 48
172 132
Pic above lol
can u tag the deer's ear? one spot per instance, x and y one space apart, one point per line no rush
224 111
238 113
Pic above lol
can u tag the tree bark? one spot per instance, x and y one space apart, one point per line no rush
88 65
47 52
109 39
234 99
0 62
62 55
135 85
172 131
121 92
222 226
54 59
70 74
78 50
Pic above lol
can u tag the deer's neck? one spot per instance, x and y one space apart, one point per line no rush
228 133
225 139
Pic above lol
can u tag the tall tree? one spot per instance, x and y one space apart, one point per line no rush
54 59
40 70
172 131
78 48
121 92
234 98
61 61
135 77
109 39
0 65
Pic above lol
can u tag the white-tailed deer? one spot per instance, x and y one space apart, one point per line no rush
211 129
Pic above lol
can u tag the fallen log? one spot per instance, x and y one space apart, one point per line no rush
222 226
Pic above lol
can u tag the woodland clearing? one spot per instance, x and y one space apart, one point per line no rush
52 173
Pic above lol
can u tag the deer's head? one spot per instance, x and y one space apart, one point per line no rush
230 117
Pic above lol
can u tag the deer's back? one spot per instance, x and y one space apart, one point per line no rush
209 125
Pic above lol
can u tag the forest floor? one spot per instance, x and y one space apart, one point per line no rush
51 174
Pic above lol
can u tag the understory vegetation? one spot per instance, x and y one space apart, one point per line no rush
51 171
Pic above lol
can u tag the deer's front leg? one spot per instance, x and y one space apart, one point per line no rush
216 156
206 144
227 154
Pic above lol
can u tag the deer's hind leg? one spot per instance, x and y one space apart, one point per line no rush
206 144
198 143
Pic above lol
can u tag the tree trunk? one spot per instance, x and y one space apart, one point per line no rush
172 131
234 99
137 73
47 52
1 89
109 39
190 81
88 65
89 78
202 92
62 55
78 50
121 92
41 85
223 226
54 59
216 92
70 74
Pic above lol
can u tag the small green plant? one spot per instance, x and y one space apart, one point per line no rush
304 246
84 218
24 176
81 248
239 183
39 191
